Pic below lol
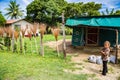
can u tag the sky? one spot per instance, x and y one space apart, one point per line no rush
23 3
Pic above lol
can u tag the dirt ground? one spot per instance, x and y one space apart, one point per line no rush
80 56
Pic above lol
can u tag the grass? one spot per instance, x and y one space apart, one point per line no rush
34 67
31 43
31 66
52 38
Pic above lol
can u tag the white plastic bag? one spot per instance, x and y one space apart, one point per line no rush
112 59
98 60
92 59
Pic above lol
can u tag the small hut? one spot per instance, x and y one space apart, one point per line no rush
95 30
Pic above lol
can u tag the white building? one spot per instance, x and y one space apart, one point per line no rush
21 23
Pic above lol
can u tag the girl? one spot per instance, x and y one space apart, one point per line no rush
105 55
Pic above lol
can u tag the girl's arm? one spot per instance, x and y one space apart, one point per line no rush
103 53
106 52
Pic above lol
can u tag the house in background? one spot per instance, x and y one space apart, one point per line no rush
21 23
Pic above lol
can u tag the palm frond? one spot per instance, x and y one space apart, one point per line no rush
112 12
14 10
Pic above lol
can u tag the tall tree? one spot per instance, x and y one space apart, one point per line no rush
14 11
91 9
73 9
2 19
80 9
47 11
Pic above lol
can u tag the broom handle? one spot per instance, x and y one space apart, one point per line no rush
36 45
57 47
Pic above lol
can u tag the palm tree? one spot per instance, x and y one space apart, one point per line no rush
107 12
14 11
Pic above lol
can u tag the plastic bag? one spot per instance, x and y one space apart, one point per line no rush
112 59
92 59
98 60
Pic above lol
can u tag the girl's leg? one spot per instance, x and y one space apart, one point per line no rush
104 68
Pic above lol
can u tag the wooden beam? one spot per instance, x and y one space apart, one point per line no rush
99 28
116 55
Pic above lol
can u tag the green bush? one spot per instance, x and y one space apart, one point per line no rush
1 44
2 20
7 42
68 31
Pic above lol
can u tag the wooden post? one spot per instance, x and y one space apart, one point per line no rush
13 41
57 48
41 46
64 41
21 42
36 44
23 45
116 55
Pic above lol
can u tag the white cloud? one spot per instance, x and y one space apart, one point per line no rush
27 1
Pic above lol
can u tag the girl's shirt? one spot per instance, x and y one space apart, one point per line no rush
107 52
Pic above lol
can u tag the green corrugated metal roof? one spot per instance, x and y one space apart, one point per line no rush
97 21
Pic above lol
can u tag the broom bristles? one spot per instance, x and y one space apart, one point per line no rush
55 32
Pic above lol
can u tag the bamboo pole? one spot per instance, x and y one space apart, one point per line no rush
64 41
116 55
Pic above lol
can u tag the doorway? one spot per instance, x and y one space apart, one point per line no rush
92 35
